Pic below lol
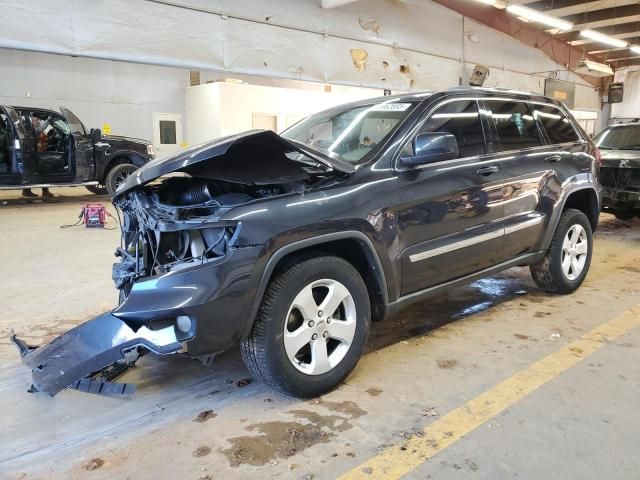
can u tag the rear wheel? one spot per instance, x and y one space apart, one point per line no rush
117 176
311 328
566 263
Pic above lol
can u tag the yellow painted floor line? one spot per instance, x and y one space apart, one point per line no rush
398 460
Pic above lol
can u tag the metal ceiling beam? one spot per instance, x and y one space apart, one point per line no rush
555 48
616 54
610 30
545 5
625 62
601 15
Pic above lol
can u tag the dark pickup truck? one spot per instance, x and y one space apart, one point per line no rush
43 148
290 245
620 169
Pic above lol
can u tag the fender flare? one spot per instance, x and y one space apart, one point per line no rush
557 212
132 157
293 247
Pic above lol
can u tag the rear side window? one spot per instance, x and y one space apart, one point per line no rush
461 119
514 125
555 123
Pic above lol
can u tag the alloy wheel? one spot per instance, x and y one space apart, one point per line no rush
320 326
574 251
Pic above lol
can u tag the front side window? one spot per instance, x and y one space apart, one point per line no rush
462 119
350 133
514 125
555 124
50 132
626 137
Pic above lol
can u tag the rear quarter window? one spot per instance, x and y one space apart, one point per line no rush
557 126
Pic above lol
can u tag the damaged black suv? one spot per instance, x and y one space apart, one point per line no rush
620 169
290 245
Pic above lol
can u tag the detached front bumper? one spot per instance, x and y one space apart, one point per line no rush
77 356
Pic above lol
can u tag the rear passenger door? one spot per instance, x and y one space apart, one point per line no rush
450 212
518 139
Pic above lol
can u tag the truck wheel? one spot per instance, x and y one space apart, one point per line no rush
566 263
97 189
117 176
311 327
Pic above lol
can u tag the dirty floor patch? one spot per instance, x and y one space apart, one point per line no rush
284 439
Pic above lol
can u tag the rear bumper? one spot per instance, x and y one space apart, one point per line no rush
88 348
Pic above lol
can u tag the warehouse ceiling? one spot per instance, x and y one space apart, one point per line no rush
616 18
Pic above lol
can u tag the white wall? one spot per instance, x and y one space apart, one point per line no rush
99 91
293 39
219 109
630 105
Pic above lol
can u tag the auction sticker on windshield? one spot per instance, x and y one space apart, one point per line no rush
390 107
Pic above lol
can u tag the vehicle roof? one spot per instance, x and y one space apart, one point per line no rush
39 109
632 123
461 91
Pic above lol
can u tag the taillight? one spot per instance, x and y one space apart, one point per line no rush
596 155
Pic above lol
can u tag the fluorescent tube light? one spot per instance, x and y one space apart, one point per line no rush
602 38
635 48
535 16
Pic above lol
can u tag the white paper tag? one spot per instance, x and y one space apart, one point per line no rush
390 107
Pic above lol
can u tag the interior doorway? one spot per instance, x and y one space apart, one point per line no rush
167 133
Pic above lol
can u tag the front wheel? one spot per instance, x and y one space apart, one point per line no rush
566 263
311 327
117 176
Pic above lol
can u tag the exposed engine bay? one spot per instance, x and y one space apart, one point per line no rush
172 216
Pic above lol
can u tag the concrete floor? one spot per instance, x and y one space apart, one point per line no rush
422 364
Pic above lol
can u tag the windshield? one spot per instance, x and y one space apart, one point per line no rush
619 138
75 125
350 133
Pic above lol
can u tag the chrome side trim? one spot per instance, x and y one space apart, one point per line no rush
434 252
532 222
416 257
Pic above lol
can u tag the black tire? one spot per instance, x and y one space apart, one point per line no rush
264 351
97 189
624 215
548 273
117 175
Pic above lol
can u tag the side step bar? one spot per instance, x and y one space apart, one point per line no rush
47 185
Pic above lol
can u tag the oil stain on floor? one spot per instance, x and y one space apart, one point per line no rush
279 439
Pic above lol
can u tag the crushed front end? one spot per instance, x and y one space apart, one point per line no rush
186 276
620 180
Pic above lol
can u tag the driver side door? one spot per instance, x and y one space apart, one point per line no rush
450 212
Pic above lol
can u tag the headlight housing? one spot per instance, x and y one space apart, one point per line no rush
151 150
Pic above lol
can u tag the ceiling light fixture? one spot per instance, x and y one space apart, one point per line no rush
602 38
635 48
593 69
535 16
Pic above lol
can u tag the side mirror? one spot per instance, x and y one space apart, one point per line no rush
96 135
432 147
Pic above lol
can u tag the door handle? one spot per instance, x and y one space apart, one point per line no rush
553 158
487 170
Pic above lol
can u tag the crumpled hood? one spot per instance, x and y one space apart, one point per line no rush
620 158
256 157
